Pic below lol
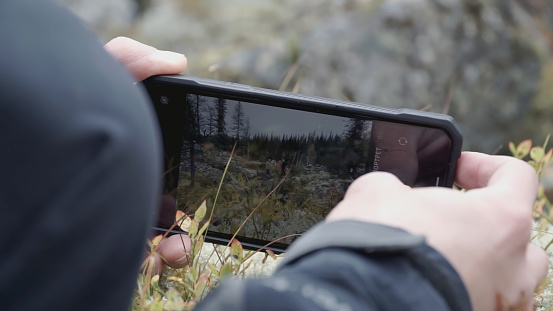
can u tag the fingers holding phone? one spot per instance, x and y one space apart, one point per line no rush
505 189
483 232
144 61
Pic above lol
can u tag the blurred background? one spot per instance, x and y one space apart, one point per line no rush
488 63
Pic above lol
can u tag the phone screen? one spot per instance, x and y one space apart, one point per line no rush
289 167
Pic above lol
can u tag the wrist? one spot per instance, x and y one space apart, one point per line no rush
372 239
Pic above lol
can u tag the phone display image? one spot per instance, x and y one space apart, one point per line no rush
305 159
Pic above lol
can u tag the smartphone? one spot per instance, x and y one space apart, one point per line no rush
292 157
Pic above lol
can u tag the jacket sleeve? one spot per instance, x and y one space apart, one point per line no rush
350 265
80 165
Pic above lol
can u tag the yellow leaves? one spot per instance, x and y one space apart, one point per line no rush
537 153
169 300
200 285
197 245
539 158
155 241
540 202
194 224
154 280
200 212
183 221
203 228
175 279
521 150
236 251
193 229
270 252
226 270
156 304
174 300
191 226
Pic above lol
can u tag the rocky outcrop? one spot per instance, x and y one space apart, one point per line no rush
478 60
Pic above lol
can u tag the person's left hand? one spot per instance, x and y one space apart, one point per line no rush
174 249
144 61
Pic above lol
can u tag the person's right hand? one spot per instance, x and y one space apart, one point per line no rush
483 232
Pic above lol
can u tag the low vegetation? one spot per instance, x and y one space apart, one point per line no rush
182 289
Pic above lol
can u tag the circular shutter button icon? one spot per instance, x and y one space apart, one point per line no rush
402 141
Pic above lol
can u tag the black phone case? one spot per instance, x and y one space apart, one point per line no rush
262 96
321 105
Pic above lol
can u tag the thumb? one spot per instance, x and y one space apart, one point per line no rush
174 250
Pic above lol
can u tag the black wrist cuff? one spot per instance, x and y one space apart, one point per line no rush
372 239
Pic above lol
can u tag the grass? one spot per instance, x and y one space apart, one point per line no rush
181 289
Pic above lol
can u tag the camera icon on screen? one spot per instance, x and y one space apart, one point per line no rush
402 141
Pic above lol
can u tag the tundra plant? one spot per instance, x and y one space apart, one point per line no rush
540 159
182 289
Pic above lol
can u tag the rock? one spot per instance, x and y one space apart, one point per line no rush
106 17
479 61
481 64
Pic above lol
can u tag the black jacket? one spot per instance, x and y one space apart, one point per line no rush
350 265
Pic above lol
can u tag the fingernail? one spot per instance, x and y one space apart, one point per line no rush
183 259
169 56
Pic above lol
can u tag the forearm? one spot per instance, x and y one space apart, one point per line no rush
351 266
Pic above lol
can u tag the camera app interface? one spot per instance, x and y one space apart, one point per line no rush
289 168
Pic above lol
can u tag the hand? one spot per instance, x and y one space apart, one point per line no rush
144 61
483 232
173 249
